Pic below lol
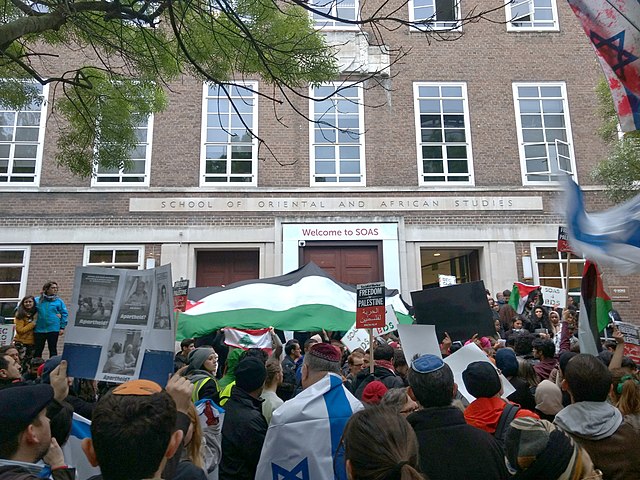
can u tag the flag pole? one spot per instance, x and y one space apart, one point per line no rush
566 300
371 365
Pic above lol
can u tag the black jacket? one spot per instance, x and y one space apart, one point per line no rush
384 375
243 433
450 448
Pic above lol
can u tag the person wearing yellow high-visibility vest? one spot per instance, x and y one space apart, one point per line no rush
203 364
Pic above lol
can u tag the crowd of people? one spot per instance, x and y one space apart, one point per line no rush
310 409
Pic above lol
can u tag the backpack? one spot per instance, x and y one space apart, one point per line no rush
506 417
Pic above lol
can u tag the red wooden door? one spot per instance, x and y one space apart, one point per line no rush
348 264
223 267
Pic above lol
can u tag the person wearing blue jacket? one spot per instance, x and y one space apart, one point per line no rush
51 321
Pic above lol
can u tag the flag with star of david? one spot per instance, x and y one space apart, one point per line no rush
613 28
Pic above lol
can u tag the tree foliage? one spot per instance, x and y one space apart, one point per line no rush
620 171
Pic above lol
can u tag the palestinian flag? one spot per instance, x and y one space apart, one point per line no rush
519 294
595 306
306 299
245 339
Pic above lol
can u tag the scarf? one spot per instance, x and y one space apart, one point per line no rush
49 298
388 364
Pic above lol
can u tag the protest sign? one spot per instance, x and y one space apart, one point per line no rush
6 334
446 280
180 291
461 310
631 335
370 305
359 338
563 240
418 340
122 325
553 297
461 359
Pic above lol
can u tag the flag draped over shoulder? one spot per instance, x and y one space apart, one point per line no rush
519 294
612 26
304 433
306 299
594 310
609 238
72 449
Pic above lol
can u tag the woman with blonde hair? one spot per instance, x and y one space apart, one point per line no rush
625 394
201 447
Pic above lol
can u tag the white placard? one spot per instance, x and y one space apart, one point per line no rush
359 338
418 340
6 334
459 361
446 280
553 297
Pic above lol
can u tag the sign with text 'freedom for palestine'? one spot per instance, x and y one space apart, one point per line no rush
370 307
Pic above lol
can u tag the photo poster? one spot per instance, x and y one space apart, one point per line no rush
121 325
460 310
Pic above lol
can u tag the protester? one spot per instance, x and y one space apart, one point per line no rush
51 320
383 371
10 370
449 448
507 363
594 423
233 358
548 400
544 350
271 383
25 322
244 427
399 400
293 353
625 394
203 363
202 445
323 407
374 391
393 456
182 357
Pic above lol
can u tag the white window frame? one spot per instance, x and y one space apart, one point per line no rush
555 27
122 173
361 142
114 248
445 25
521 143
254 142
467 128
562 261
39 148
326 24
26 255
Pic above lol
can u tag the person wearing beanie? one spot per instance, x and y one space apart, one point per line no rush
201 370
303 432
373 393
507 363
483 382
535 449
244 428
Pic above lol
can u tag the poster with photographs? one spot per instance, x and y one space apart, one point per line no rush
121 325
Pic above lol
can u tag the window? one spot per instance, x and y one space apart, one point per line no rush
427 15
544 132
21 141
230 150
13 278
342 9
138 172
550 268
337 135
108 256
523 15
443 134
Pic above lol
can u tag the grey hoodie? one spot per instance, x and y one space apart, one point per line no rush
589 420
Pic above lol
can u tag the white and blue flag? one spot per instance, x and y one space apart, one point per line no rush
608 238
72 450
305 432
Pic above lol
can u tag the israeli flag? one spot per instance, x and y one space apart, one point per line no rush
305 432
72 450
608 238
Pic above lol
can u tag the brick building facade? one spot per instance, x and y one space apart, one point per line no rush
446 164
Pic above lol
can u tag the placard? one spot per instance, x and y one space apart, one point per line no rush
418 340
7 331
180 291
631 335
563 240
553 297
359 338
370 305
446 280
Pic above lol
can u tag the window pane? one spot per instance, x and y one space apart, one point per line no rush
100 256
127 256
9 290
11 256
216 167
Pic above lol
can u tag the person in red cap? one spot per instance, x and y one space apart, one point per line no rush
373 393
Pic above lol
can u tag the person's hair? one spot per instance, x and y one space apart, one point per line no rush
308 342
254 352
290 346
379 443
186 342
506 293
353 356
4 361
523 344
506 315
527 373
22 313
628 399
605 357
433 389
61 422
383 352
395 398
588 379
5 348
399 360
273 369
131 434
47 286
629 364
317 364
193 447
545 346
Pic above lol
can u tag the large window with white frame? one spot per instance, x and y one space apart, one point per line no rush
550 268
335 14
22 141
14 263
229 129
114 256
531 15
443 133
544 132
427 15
137 172
337 135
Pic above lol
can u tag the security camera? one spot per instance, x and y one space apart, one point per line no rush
301 243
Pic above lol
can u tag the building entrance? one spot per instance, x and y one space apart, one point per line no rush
215 268
353 264
461 263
